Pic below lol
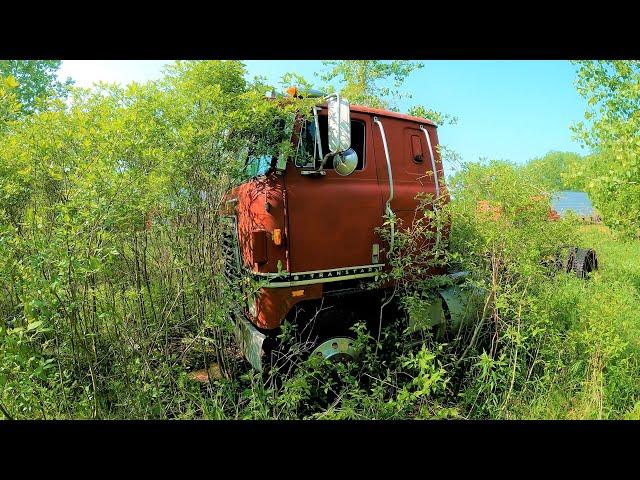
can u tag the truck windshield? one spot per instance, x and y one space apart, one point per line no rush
257 166
264 148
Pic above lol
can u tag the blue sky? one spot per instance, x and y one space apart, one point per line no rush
513 110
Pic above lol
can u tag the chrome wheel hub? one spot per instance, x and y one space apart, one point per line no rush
338 349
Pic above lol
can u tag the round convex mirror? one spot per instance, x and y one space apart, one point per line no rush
346 162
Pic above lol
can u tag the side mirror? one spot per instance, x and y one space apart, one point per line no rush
339 120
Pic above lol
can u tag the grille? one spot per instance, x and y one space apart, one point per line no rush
230 249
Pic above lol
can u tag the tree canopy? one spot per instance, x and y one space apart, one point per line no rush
9 106
612 128
553 170
35 81
362 81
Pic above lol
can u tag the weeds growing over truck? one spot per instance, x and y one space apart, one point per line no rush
113 289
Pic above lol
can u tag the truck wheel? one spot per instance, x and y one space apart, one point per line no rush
331 335
585 262
337 349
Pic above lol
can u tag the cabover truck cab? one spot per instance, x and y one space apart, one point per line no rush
306 227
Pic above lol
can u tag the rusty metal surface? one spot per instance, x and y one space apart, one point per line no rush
254 217
330 222
388 114
273 304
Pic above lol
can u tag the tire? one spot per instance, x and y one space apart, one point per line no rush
585 262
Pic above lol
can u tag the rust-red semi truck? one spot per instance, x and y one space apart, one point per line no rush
306 227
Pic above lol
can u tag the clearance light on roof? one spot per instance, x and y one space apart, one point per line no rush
307 93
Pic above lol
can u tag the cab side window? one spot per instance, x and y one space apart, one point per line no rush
357 140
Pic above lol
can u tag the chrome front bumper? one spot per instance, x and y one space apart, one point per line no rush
251 342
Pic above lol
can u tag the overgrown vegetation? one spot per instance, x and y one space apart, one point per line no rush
612 128
112 287
553 171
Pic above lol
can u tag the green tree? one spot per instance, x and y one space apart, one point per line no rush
37 80
365 82
92 192
9 106
612 128
438 118
376 83
554 171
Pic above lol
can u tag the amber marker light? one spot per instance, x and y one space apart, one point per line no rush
293 91
277 236
297 293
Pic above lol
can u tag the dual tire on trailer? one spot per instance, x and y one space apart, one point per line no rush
582 261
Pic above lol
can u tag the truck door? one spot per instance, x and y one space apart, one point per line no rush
411 164
332 219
